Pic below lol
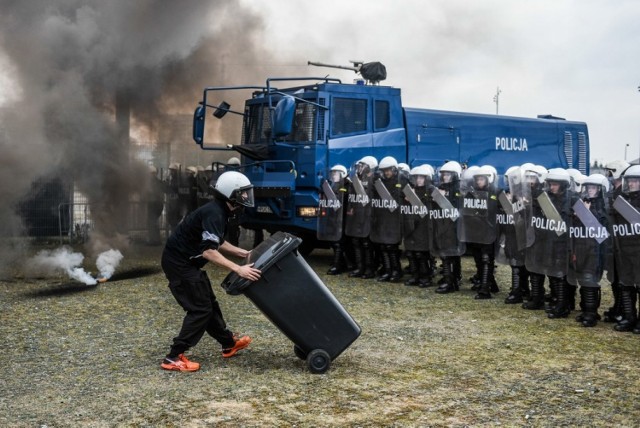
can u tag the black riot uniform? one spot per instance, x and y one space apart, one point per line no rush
548 254
415 226
331 218
588 243
443 214
626 234
357 221
532 190
477 227
386 227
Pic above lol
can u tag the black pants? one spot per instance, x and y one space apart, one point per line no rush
192 290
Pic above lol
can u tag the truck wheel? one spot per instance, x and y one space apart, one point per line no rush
318 361
299 352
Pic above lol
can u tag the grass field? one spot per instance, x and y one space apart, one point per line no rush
89 356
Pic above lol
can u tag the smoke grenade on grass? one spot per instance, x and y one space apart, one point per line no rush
62 260
107 263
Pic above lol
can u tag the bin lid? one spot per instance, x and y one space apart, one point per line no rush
265 255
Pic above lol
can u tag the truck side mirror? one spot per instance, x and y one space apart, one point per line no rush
198 125
283 122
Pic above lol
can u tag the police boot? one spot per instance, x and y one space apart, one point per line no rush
614 313
524 282
476 277
536 298
456 270
561 308
424 270
629 312
359 259
367 254
448 285
411 259
484 291
515 295
492 278
590 302
413 269
386 264
571 295
396 267
338 260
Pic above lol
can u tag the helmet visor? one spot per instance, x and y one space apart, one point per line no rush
243 196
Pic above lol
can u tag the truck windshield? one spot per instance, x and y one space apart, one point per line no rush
257 124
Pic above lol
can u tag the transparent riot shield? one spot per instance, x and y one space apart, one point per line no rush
415 219
519 197
330 212
626 234
357 222
589 241
386 227
478 210
548 253
508 251
443 215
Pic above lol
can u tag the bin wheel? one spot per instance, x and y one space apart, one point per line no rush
299 352
318 361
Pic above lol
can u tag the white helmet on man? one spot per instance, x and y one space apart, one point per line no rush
616 168
633 172
341 169
467 173
451 166
369 161
404 167
174 165
233 160
235 187
486 171
388 162
424 169
597 180
558 174
537 171
192 170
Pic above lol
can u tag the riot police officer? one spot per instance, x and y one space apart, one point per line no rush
477 224
614 169
444 214
415 225
357 221
330 217
626 233
588 240
386 227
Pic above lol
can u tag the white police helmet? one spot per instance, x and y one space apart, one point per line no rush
236 188
558 174
341 169
233 161
616 168
370 161
388 162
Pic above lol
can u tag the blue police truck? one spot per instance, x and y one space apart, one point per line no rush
291 137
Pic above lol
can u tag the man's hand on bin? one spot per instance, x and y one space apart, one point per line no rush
248 272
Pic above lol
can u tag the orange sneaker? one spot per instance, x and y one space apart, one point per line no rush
180 364
241 343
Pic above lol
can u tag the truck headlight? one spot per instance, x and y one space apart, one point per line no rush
307 211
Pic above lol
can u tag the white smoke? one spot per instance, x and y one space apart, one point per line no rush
107 263
62 260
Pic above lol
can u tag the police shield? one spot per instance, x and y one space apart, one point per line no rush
415 219
477 222
508 251
548 253
588 243
358 207
520 200
386 227
625 229
443 216
330 212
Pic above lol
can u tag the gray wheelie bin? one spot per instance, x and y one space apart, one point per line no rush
292 296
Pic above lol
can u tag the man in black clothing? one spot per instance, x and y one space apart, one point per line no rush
197 240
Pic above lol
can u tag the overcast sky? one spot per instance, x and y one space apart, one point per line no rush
578 59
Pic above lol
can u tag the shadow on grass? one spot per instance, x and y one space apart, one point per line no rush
135 273
61 290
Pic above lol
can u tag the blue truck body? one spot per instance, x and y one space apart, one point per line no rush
292 136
